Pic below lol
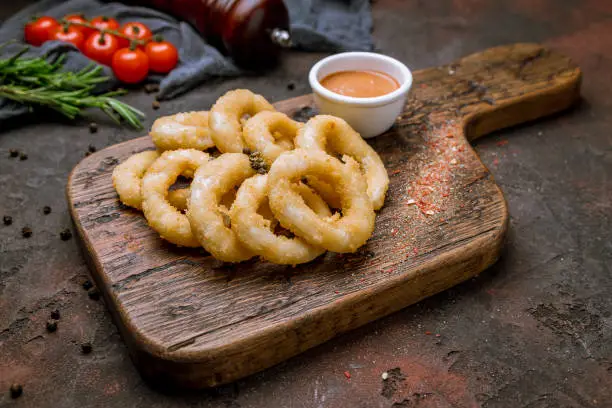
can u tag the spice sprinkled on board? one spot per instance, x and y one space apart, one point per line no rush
430 190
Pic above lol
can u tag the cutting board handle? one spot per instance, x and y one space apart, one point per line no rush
489 90
496 88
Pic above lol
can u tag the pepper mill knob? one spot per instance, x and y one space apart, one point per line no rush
281 37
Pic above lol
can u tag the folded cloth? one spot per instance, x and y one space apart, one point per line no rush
316 25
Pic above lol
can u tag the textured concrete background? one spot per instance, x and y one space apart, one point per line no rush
533 331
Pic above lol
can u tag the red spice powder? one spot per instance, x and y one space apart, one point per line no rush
430 190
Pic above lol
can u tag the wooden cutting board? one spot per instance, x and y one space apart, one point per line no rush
190 321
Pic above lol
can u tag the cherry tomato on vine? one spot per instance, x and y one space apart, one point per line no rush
79 18
163 56
38 31
101 47
69 34
130 66
135 31
104 23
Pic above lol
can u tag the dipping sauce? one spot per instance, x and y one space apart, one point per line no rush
360 84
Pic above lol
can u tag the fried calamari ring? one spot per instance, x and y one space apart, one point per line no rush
270 133
325 190
127 177
178 198
168 221
210 222
338 234
334 135
188 130
226 118
257 233
127 180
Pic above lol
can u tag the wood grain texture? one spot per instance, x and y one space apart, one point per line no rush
190 321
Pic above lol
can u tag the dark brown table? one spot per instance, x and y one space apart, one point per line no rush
535 330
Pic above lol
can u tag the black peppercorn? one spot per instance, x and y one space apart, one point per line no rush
51 326
155 105
304 113
91 148
55 314
16 390
65 235
87 285
23 156
26 232
291 86
258 163
86 347
93 127
7 220
150 88
93 294
46 210
13 153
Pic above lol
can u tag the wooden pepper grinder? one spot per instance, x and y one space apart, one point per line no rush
251 32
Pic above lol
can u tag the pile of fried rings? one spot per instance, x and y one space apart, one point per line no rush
279 189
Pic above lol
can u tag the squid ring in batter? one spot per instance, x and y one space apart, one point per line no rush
338 234
270 133
127 180
208 219
257 233
187 130
226 118
334 135
127 177
169 222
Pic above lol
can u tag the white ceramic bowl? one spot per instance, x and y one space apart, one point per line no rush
368 116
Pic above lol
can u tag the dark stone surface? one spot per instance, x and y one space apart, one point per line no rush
535 330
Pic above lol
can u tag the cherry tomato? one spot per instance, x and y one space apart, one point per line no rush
38 31
69 34
79 18
130 66
163 56
101 47
135 31
104 23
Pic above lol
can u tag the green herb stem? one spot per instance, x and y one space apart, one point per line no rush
37 82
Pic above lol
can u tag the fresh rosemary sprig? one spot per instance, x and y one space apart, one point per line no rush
37 82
